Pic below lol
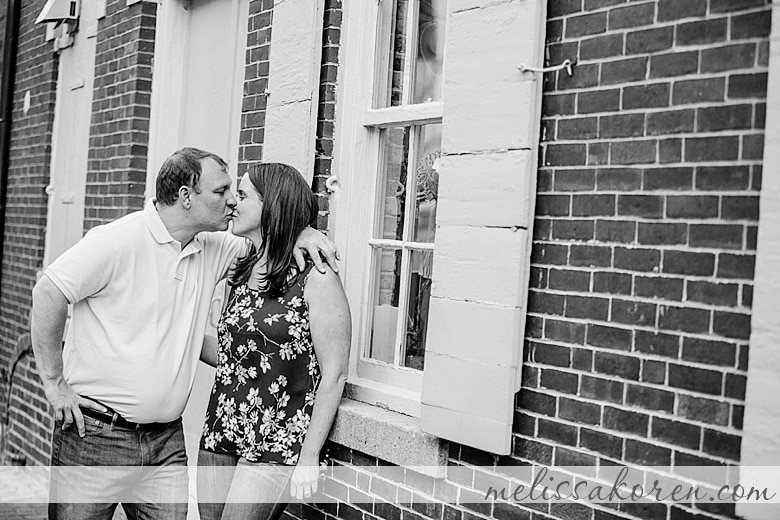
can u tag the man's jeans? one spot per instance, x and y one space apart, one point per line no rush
145 469
232 488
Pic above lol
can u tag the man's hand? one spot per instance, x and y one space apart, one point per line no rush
314 243
66 404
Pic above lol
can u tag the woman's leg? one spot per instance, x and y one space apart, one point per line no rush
259 491
215 475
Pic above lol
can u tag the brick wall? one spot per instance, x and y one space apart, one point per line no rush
645 236
119 134
28 175
253 107
326 113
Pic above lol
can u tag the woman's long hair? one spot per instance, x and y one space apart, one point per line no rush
289 206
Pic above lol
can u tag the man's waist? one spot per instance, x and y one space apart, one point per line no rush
117 421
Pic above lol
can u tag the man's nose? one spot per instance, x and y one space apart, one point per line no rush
231 200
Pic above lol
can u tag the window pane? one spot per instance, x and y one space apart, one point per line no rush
419 300
427 182
395 153
430 51
387 282
398 52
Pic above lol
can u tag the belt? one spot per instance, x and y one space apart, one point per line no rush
117 421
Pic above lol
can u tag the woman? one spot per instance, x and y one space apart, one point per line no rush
281 358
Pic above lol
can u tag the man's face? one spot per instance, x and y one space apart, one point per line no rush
212 208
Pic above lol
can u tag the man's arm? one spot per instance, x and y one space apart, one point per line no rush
49 312
313 242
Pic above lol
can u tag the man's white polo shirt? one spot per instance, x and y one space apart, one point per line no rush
140 307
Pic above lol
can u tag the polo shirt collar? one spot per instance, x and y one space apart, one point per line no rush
160 232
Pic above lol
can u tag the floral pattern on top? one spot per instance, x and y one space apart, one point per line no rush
267 376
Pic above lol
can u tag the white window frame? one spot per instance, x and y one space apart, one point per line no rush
357 164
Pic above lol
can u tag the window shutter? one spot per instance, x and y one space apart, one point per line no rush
487 175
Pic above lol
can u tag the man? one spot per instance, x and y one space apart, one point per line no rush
141 289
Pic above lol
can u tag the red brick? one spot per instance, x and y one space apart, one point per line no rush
600 442
612 283
621 71
730 57
579 128
593 205
736 266
574 180
579 411
649 40
615 231
586 25
646 96
684 319
609 337
670 122
712 293
647 206
747 86
753 25
637 259
647 454
601 389
601 47
703 410
632 16
739 208
709 352
693 206
711 148
633 313
720 444
698 91
724 236
624 125
619 179
565 154
673 64
733 117
598 101
725 6
669 10
614 364
563 8
633 152
566 279
702 32
676 433
731 325
564 382
626 421
564 331
662 233
650 398
658 287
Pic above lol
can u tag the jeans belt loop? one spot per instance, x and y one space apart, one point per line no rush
113 420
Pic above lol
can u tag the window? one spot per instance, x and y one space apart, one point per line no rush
400 123
436 157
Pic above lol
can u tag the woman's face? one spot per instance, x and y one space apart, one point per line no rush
247 215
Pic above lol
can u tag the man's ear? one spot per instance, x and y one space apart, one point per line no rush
185 196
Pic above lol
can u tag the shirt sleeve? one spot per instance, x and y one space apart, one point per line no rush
86 268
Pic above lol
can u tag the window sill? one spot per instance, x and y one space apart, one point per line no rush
389 436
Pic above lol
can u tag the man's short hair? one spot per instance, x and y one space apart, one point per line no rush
182 168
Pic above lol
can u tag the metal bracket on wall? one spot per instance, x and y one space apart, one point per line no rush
566 64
